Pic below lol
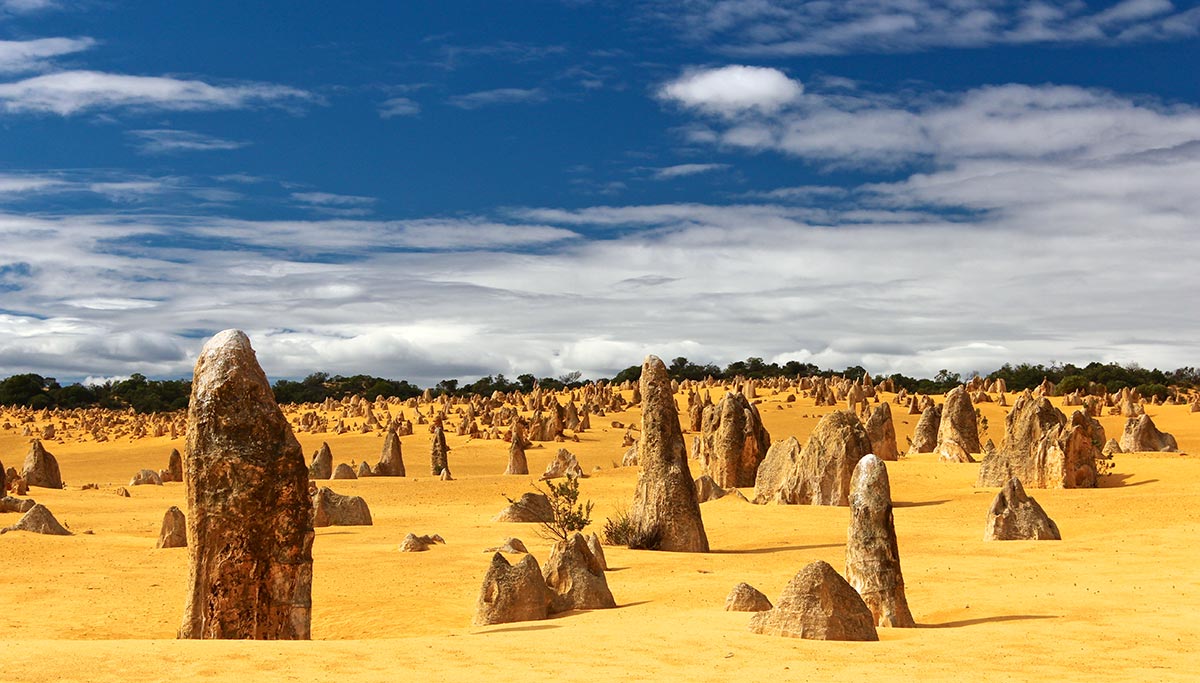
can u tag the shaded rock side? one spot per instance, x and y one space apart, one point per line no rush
872 554
335 509
512 593
882 432
38 520
575 577
733 441
439 453
249 517
41 467
1014 516
174 529
344 471
707 489
564 464
13 504
321 466
820 474
664 512
1044 449
818 604
746 598
924 438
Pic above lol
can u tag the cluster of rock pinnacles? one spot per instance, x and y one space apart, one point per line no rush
253 502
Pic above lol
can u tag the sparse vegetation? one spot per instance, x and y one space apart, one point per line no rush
568 515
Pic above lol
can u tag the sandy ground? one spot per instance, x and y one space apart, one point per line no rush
1117 599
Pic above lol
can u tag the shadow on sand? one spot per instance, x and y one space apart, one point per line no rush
919 504
782 549
1112 481
989 620
517 629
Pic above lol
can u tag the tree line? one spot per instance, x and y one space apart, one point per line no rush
151 396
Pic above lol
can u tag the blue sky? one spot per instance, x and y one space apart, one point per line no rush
431 190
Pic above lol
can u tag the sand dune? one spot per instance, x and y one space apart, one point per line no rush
1114 600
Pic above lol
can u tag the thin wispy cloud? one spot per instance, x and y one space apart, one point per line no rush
497 96
810 27
685 170
399 106
170 141
17 56
72 92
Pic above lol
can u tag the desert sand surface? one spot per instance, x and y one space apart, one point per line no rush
1116 599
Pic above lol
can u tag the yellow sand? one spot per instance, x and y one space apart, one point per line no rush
1117 599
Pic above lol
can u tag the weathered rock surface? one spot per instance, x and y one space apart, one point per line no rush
335 509
958 432
1044 449
882 432
664 512
391 459
344 471
924 438
11 504
597 550
249 513
817 604
175 465
517 463
820 473
413 543
733 441
439 452
1014 516
564 464
146 478
530 507
1142 435
322 463
174 529
512 593
511 546
707 489
41 467
575 577
872 554
38 520
746 598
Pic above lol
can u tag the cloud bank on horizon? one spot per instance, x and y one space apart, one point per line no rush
871 183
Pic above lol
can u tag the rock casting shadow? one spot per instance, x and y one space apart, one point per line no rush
988 620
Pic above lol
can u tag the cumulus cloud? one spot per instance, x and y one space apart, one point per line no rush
71 92
731 90
815 27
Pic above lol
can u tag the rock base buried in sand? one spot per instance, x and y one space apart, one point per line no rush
817 604
38 520
746 598
512 593
1014 516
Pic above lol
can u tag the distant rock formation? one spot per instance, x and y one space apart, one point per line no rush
882 432
1142 435
174 529
733 441
958 433
1043 449
391 459
322 463
924 439
820 473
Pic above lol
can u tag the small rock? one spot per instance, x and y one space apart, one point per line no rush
746 598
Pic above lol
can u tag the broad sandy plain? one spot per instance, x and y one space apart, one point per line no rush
1117 599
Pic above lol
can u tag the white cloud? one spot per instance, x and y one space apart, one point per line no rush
487 98
816 27
399 106
331 199
731 90
34 55
683 170
72 92
169 141
27 6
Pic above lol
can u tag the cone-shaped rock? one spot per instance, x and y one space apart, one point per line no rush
322 463
872 556
1014 516
575 578
174 529
249 513
174 466
958 433
512 592
924 439
438 452
564 464
733 441
530 507
1142 435
746 598
38 520
597 550
11 504
41 467
707 489
817 604
820 473
344 471
882 432
664 513
335 509
391 460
